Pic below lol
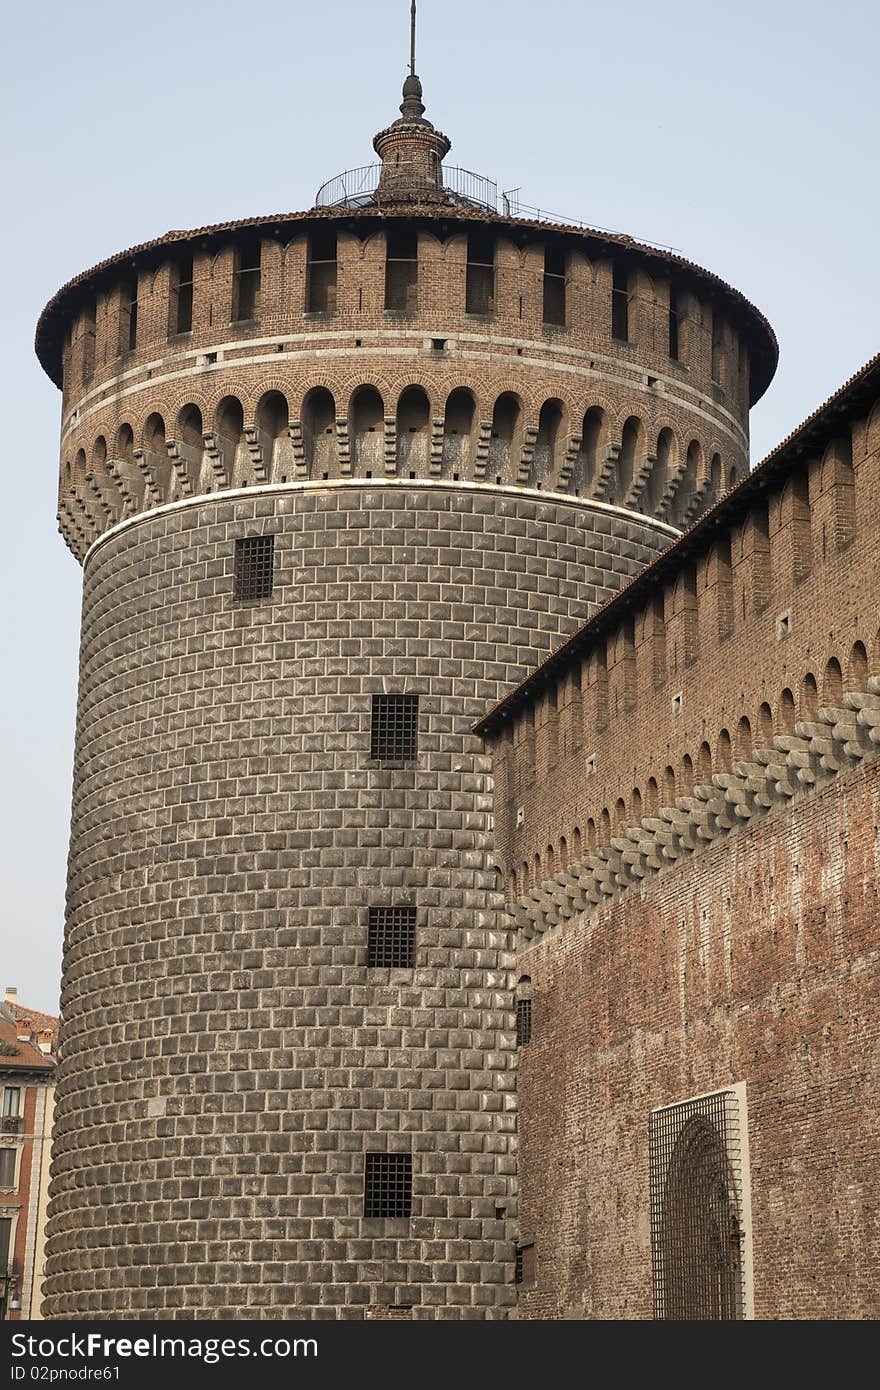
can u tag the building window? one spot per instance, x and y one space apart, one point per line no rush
698 1226
717 348
246 281
394 728
254 566
89 335
183 309
321 272
523 1022
402 270
554 285
620 304
7 1169
5 1243
388 1185
128 325
391 938
480 274
524 1264
11 1100
673 323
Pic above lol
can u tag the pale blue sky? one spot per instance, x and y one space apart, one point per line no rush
746 136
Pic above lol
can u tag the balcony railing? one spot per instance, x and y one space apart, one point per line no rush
357 188
11 1124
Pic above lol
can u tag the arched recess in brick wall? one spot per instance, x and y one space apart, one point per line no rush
723 753
858 669
592 453
787 712
664 465
632 451
319 433
832 683
872 433
505 443
154 433
669 786
765 725
744 741
413 430
99 455
809 701
366 429
681 505
458 425
549 442
716 478
229 439
704 764
272 435
125 443
79 467
652 797
188 447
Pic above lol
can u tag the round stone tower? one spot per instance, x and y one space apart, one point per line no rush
337 480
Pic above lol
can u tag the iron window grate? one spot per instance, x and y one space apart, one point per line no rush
388 1185
394 728
696 1209
254 568
391 938
523 1022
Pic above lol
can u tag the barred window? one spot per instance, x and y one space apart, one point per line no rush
391 937
387 1185
254 564
394 728
524 1264
697 1218
523 1022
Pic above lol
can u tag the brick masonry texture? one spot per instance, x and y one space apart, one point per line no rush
687 817
227 1059
756 961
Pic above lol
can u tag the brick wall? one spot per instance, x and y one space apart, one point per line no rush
756 962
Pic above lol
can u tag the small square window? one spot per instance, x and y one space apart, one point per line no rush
388 1185
391 938
254 565
523 1022
394 728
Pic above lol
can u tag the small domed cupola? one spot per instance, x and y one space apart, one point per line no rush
411 150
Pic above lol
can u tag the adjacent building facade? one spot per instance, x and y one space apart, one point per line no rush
338 481
28 1041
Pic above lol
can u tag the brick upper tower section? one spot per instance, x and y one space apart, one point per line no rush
403 327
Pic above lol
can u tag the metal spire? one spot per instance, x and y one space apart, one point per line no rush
412 39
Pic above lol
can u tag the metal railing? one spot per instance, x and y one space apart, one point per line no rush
356 188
